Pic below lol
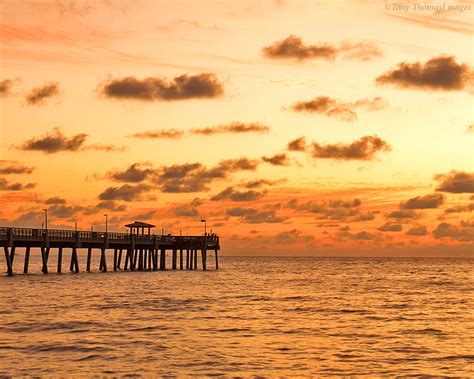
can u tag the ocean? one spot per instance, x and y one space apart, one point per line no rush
265 316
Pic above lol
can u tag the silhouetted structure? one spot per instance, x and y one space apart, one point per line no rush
140 251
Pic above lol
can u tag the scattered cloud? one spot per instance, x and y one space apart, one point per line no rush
135 173
188 210
5 87
340 210
403 214
231 194
460 208
440 73
258 183
255 216
160 134
125 192
12 167
364 148
277 160
293 47
6 186
334 108
233 127
155 89
390 227
55 201
462 232
417 231
456 182
423 202
298 144
39 95
293 236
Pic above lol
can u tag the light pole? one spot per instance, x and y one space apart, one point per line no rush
205 226
106 222
46 219
75 226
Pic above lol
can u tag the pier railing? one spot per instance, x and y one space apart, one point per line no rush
58 235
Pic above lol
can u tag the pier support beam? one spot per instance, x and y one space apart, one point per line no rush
174 259
133 265
163 259
103 261
140 260
127 259
115 259
204 257
191 258
89 258
74 267
8 261
217 260
27 260
44 257
181 258
60 259
195 259
187 259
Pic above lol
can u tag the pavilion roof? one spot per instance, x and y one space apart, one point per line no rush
139 224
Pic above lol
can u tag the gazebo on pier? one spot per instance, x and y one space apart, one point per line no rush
137 225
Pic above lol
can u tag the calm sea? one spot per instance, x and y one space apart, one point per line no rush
286 317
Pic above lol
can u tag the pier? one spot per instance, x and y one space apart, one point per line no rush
138 250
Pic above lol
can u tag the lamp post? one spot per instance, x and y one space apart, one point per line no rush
75 226
46 219
106 222
205 226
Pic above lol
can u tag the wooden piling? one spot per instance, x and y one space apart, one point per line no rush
44 257
8 261
115 259
74 261
103 261
140 260
181 258
27 260
195 259
127 259
150 259
203 258
135 257
119 261
163 259
174 259
217 260
89 258
60 259
187 259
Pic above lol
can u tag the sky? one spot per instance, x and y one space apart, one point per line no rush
293 127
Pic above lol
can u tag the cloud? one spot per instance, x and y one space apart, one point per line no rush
182 87
5 87
257 183
132 174
423 202
194 177
334 108
293 47
331 210
160 134
462 232
11 167
293 236
417 231
439 73
6 186
359 236
470 129
39 95
390 227
364 148
55 141
188 210
298 144
107 205
255 216
456 182
64 211
233 127
460 208
403 214
231 194
277 160
55 200
125 192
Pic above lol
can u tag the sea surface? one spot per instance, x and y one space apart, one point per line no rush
284 317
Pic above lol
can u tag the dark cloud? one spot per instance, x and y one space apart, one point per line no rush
331 210
293 47
148 215
334 108
439 73
403 214
462 232
55 200
456 182
233 127
55 141
11 167
255 216
298 144
39 95
150 89
194 177
277 160
6 186
125 192
258 183
390 227
5 86
107 205
423 202
359 236
417 231
364 148
135 173
188 210
160 134
63 210
231 194
293 236
460 208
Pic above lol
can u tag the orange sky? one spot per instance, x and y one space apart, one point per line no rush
173 111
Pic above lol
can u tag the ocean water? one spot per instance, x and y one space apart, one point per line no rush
285 317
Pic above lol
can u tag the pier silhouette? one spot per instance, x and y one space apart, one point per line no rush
140 250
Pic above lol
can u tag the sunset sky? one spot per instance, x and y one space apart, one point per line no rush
293 127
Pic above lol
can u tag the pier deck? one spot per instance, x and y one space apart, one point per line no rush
140 252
